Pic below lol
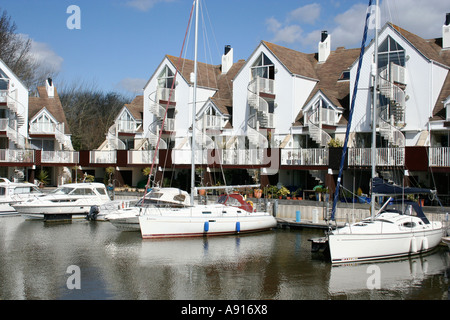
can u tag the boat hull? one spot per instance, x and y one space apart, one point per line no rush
362 247
173 227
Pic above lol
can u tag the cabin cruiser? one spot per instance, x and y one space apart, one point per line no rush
15 192
68 201
125 216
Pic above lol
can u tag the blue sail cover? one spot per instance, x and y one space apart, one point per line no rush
382 187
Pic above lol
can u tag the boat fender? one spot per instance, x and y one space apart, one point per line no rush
238 226
206 226
424 244
413 245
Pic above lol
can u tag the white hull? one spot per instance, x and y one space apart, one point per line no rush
370 246
191 222
125 220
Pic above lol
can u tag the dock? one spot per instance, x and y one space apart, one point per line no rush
285 223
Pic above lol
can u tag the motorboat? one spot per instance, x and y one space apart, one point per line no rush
15 192
73 200
125 217
230 215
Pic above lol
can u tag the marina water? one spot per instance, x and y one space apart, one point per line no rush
95 261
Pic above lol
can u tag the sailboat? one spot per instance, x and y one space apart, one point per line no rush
230 215
399 228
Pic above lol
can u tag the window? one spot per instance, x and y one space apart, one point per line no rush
390 51
263 68
43 123
345 75
165 79
4 81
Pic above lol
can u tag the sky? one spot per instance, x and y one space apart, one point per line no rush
116 45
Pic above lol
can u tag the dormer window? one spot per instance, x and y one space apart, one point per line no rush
43 124
345 75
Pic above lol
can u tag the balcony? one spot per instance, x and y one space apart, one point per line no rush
439 157
127 126
141 156
63 157
19 156
387 157
304 157
102 157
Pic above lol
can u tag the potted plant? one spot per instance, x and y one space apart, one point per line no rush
283 192
42 178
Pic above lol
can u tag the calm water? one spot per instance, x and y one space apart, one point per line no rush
35 257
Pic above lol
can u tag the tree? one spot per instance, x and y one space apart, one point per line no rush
89 112
15 51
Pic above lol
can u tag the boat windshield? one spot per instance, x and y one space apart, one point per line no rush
62 190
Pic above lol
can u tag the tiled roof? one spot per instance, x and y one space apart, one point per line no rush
136 107
53 106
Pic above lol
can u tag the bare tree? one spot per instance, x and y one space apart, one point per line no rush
89 112
15 51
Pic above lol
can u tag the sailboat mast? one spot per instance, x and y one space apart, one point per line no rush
194 104
374 112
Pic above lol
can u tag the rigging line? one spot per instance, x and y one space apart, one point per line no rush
168 102
344 151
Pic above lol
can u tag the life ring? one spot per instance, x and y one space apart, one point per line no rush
250 203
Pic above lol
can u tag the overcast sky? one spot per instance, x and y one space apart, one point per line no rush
118 44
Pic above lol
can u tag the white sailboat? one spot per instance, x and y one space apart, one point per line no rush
400 231
231 215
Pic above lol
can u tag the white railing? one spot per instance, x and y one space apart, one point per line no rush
141 157
127 126
439 157
220 156
304 157
3 96
384 156
164 94
100 156
60 157
9 155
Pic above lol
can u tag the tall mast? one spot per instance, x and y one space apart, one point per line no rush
194 104
374 112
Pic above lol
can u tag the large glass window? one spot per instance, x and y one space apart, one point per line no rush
390 51
165 79
263 68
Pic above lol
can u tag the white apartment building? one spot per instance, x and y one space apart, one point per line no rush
278 111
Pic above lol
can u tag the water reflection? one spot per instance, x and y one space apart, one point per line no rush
34 257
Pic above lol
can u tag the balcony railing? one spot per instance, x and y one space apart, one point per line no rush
100 156
439 157
127 126
60 157
384 156
21 156
305 157
141 157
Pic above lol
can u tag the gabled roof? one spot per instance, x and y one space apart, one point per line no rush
136 107
298 63
207 74
328 74
53 106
